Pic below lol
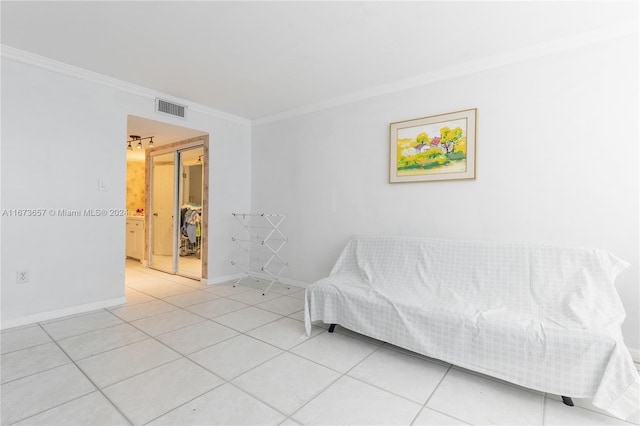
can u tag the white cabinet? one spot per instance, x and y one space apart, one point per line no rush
135 237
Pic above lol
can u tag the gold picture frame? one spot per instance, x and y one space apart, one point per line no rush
434 148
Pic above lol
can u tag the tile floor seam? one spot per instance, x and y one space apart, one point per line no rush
282 351
440 412
422 406
213 344
57 406
195 313
433 392
219 298
160 298
186 306
149 316
340 376
97 388
87 332
149 369
246 331
326 366
315 395
172 330
185 403
287 349
385 390
42 324
132 343
25 348
173 295
259 399
37 372
497 380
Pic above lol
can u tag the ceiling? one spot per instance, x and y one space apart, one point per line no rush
259 59
163 133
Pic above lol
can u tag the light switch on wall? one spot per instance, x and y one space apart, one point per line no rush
103 185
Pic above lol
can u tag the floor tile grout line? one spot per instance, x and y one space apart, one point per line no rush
211 318
60 405
230 381
381 347
207 347
37 372
98 389
440 412
254 328
340 376
378 348
496 380
244 372
224 382
25 348
277 410
201 320
85 332
435 389
120 347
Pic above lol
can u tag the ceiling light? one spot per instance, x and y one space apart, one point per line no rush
139 139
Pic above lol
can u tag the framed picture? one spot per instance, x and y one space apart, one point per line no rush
440 147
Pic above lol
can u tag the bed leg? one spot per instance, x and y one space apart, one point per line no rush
567 401
331 328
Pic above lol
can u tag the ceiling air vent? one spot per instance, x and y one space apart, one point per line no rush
170 108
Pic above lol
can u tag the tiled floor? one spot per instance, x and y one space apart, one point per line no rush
187 265
180 353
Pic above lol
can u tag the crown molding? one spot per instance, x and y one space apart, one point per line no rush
539 50
81 73
622 29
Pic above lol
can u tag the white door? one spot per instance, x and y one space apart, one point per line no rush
162 210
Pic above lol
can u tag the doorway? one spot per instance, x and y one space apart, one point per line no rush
177 206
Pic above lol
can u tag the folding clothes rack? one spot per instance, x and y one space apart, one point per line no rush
261 246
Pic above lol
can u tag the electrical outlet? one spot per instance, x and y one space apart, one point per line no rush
22 277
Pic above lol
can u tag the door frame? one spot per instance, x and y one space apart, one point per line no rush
204 226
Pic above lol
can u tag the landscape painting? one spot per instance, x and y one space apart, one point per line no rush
440 147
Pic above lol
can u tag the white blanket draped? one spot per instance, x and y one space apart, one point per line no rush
543 317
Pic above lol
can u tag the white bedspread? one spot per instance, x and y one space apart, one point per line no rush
543 317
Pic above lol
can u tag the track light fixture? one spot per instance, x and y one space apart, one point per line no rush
136 138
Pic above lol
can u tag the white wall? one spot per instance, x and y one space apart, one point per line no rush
60 135
557 163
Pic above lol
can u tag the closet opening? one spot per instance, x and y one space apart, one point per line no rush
167 192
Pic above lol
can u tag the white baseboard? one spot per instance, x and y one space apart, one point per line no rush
221 279
288 281
294 283
59 313
635 354
265 277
